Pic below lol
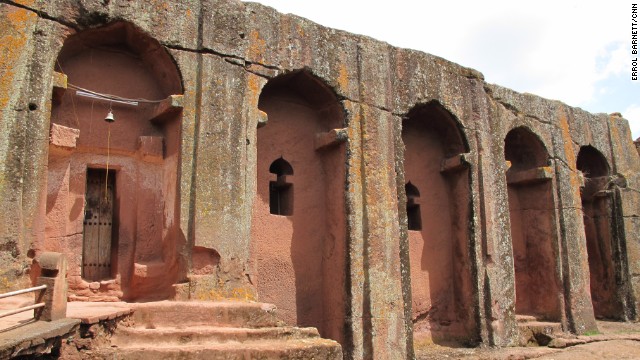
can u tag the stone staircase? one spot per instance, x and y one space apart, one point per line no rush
533 332
213 330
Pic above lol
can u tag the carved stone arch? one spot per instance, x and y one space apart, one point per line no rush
524 149
301 255
592 163
441 266
598 209
129 40
533 231
442 121
121 176
309 89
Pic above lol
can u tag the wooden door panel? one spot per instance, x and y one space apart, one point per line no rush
96 256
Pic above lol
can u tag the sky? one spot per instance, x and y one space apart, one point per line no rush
578 52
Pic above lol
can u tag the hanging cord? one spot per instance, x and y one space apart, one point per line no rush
91 117
106 179
75 113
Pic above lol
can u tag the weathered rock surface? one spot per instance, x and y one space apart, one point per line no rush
223 54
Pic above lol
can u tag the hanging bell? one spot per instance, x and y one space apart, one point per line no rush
110 118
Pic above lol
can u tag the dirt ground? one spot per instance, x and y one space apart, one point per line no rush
615 341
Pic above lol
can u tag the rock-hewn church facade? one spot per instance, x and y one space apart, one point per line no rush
373 192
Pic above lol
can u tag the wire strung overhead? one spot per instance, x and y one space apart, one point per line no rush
112 98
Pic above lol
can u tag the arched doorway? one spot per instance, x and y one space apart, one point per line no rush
111 186
597 212
533 229
298 226
438 215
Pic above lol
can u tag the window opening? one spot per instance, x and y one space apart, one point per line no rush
280 191
414 219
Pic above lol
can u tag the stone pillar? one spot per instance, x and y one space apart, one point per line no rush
53 274
626 167
579 316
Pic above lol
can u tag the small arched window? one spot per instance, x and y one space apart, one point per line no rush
414 219
280 191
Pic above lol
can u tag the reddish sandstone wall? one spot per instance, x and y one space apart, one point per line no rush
534 239
431 249
297 255
442 290
289 248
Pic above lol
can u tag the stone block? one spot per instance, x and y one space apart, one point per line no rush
64 137
529 176
166 109
455 163
331 138
147 270
181 291
54 297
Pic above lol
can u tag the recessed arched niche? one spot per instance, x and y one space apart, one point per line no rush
533 229
298 226
112 185
438 213
597 208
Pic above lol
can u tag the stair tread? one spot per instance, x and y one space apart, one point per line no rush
540 323
227 330
201 333
525 318
207 328
268 350
258 344
216 328
202 313
205 304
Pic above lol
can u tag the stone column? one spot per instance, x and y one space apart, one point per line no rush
575 265
626 167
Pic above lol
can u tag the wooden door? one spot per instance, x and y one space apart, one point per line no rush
98 220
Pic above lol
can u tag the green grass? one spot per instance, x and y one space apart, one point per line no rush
592 332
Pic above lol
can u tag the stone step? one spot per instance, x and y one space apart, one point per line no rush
213 330
525 318
202 335
194 313
294 349
538 333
